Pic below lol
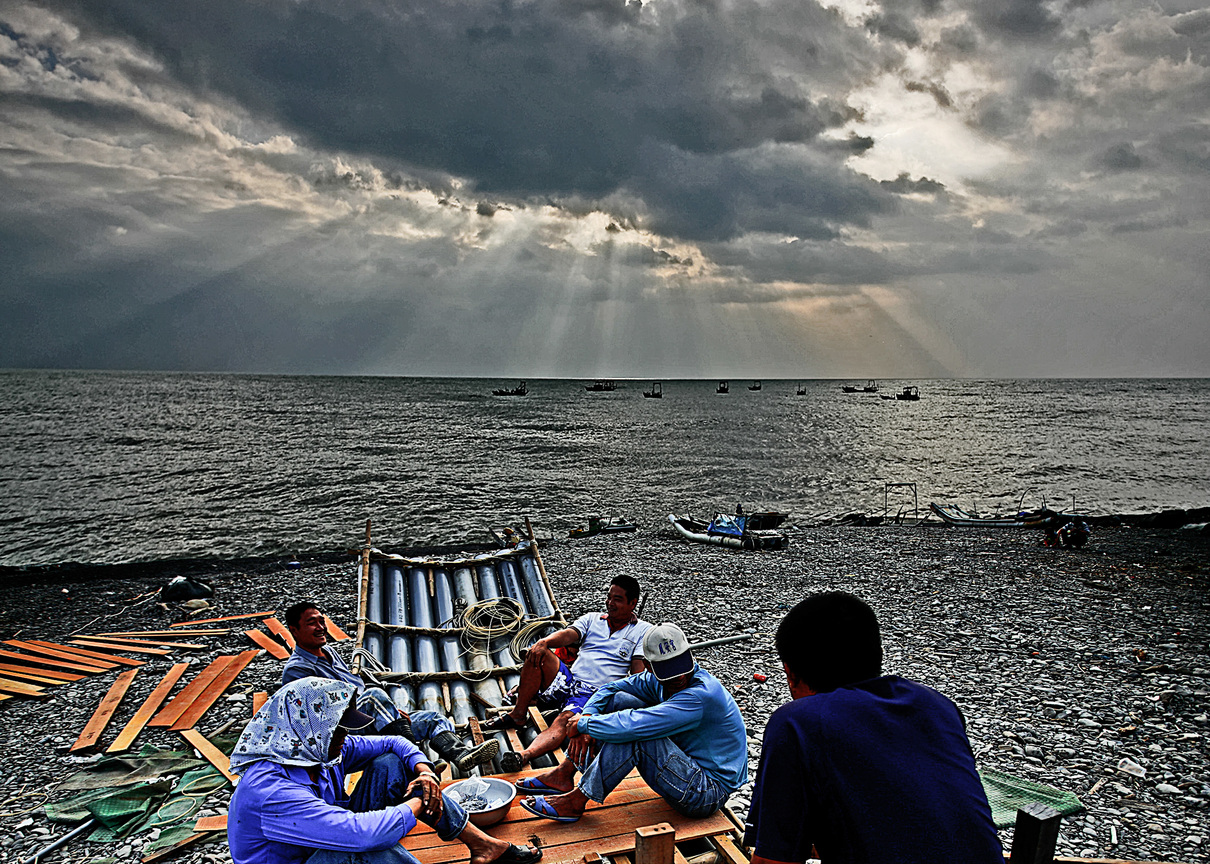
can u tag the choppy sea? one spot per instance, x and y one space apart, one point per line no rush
115 467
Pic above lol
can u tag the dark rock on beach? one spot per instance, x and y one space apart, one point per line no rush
1066 664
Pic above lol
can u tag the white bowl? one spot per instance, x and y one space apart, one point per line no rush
500 795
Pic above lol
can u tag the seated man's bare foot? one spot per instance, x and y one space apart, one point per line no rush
501 852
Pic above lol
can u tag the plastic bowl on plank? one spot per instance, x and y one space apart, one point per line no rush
499 797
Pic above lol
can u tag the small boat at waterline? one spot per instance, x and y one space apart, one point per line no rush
725 530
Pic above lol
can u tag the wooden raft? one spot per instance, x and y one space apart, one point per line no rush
604 829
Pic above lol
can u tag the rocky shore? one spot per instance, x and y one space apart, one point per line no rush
1063 662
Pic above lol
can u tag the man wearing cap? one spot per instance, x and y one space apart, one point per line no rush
608 646
864 767
675 722
312 659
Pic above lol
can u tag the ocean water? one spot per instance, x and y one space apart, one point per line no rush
108 467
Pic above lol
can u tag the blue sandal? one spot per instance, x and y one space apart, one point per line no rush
539 806
534 786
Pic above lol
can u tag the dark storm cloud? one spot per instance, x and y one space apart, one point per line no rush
552 98
894 25
905 185
1016 19
1120 157
938 92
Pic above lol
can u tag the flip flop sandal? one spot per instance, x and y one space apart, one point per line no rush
519 855
541 808
501 724
534 786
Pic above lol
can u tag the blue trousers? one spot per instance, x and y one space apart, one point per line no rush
383 784
425 724
666 767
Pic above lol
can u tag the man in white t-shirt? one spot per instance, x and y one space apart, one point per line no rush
610 647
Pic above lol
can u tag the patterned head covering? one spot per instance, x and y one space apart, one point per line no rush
295 726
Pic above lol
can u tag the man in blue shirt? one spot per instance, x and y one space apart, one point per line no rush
863 768
312 659
675 722
290 805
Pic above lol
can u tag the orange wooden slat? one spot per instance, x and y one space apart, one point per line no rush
211 823
212 754
279 629
42 676
224 618
95 656
334 631
100 718
149 706
150 643
259 698
114 646
96 665
4 696
51 662
267 642
214 690
173 633
174 709
21 688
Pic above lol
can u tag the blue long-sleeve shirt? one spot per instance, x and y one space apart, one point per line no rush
303 664
703 720
279 815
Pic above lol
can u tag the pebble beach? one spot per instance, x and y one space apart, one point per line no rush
1066 664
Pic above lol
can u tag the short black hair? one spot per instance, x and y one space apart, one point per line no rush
831 640
294 613
628 584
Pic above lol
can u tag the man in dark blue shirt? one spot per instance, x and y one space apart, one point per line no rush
862 767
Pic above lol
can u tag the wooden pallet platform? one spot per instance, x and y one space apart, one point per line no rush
605 829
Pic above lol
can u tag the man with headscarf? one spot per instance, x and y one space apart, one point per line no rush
290 805
675 722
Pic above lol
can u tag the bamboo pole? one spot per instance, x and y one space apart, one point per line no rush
529 529
361 600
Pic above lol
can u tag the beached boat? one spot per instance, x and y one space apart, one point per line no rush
802 391
870 387
725 530
951 514
656 391
723 387
601 387
755 385
603 525
520 390
908 394
849 388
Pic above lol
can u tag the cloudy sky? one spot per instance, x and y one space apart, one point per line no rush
666 188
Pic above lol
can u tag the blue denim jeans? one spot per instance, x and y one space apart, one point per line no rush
667 769
425 724
383 783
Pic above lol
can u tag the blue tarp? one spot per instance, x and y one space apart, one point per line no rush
732 526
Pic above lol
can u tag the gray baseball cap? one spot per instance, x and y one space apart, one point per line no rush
667 651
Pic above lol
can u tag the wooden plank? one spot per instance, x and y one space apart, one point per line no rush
210 753
32 675
224 618
729 853
267 642
259 698
174 709
279 629
94 656
173 633
211 823
113 646
21 688
94 665
164 854
335 632
100 718
214 690
4 696
52 663
149 706
153 643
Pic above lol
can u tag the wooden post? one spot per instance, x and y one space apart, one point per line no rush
654 844
1035 834
361 601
